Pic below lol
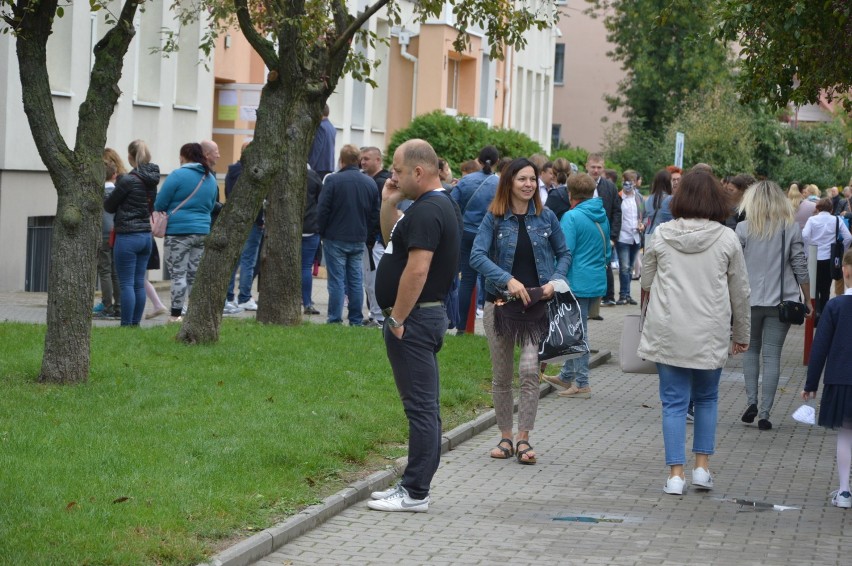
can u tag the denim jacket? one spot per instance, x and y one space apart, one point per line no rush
494 253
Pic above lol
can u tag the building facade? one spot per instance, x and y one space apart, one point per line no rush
165 101
583 76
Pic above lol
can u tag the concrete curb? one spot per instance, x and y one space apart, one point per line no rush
269 540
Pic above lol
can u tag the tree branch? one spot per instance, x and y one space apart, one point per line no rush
260 44
347 34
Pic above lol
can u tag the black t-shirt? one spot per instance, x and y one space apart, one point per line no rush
523 264
432 223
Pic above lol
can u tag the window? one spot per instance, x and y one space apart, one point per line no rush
59 53
555 136
452 84
186 79
148 28
559 64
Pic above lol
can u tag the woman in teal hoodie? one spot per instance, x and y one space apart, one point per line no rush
586 228
188 196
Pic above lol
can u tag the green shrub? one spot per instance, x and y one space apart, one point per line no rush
459 138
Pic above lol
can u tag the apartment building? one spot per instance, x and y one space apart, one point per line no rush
420 72
165 101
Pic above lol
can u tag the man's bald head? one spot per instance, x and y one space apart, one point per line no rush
415 168
211 152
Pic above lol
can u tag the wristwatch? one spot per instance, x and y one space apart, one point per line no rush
392 322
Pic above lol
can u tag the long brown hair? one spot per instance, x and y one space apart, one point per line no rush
503 199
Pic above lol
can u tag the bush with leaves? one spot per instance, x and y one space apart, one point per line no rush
816 153
459 138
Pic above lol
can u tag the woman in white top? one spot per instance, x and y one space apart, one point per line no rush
822 230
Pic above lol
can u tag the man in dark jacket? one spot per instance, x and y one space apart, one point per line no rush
310 239
605 189
348 208
248 257
371 164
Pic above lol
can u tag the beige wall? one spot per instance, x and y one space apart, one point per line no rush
578 104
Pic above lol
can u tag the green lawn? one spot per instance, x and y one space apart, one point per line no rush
169 452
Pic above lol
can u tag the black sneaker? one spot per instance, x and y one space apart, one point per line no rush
630 301
621 301
311 310
608 303
751 412
764 424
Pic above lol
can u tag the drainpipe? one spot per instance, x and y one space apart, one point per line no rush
404 40
508 84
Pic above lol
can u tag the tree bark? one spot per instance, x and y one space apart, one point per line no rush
78 177
301 79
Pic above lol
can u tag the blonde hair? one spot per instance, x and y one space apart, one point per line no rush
812 190
766 209
847 258
138 153
795 195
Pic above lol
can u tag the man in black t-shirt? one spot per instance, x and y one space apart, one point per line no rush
413 278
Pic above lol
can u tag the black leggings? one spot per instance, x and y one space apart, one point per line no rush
823 284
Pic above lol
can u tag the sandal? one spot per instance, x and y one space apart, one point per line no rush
530 460
507 452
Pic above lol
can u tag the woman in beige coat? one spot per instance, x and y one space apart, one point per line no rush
696 275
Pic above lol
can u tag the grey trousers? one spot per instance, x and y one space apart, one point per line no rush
767 339
502 364
182 258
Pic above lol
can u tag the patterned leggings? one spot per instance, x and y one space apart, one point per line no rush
502 363
183 254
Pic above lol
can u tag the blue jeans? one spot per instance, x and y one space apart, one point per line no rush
414 362
577 369
343 262
676 385
130 255
626 259
309 252
247 261
468 278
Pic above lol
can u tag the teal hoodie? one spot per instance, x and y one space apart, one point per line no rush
589 246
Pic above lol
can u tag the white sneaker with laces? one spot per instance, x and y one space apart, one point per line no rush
386 493
231 308
480 313
702 479
249 305
842 499
675 485
399 500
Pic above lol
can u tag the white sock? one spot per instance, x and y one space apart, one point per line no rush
844 457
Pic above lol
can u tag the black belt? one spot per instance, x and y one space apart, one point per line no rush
427 305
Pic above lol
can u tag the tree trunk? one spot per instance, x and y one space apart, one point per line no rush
76 233
281 120
78 177
280 286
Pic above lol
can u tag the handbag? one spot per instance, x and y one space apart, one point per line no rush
160 219
565 338
792 312
628 350
836 257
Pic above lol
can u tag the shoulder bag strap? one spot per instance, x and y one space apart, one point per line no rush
598 226
783 245
192 194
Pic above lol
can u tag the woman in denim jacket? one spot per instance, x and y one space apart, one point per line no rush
519 249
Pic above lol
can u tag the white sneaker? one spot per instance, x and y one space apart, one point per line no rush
231 308
702 479
400 501
249 305
386 493
841 499
479 313
675 485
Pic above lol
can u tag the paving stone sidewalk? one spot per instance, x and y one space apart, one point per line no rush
595 497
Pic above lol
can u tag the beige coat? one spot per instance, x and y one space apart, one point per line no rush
697 277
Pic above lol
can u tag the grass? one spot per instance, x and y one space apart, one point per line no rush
169 453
